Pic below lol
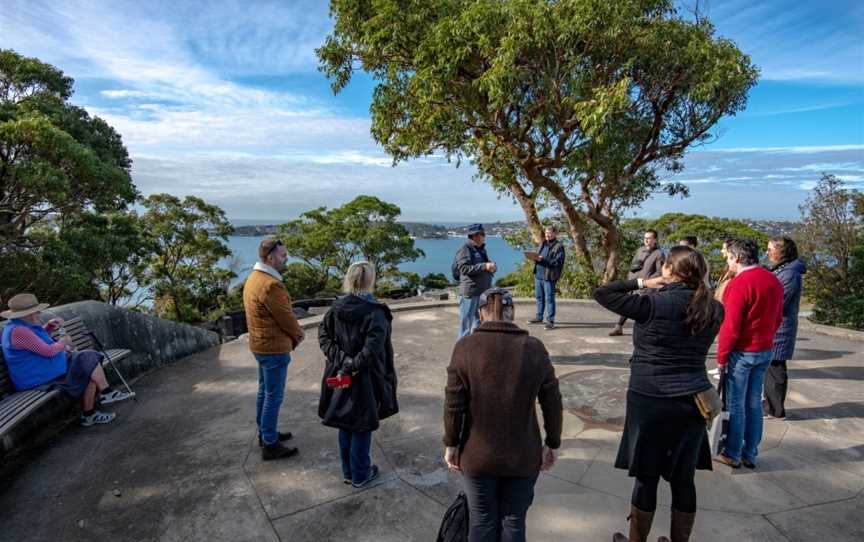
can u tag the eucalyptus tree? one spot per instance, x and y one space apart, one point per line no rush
586 104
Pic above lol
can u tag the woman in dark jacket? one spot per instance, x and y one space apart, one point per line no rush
783 255
355 337
664 432
496 377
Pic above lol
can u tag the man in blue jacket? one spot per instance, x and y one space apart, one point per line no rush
547 270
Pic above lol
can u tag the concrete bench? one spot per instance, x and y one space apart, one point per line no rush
22 412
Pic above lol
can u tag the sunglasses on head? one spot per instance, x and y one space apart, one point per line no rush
271 249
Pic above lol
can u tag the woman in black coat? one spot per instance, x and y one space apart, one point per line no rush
664 432
355 337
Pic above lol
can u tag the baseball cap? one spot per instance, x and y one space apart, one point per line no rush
475 228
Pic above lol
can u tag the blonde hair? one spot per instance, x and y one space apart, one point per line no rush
359 279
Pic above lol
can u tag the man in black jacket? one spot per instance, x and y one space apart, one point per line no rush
475 271
547 270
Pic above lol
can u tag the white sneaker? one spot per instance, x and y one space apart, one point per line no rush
97 417
115 396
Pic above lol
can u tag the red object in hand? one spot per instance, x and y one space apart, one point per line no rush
339 381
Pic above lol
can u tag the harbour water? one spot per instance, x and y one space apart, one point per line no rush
439 255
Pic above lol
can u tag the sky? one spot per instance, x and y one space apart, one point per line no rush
223 100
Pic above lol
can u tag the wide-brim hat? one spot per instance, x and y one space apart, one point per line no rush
23 305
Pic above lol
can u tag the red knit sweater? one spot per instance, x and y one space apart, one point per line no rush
753 302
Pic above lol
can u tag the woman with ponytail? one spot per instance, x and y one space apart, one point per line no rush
664 432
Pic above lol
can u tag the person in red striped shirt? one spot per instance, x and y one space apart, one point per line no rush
753 301
34 358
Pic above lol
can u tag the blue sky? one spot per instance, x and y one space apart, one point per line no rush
223 100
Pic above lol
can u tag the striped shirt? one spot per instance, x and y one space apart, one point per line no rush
24 339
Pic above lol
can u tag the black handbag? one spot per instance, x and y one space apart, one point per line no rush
454 526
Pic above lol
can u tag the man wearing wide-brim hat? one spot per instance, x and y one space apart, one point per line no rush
35 360
474 270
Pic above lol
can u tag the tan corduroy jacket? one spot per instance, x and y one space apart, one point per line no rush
273 328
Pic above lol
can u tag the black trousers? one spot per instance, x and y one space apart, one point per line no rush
776 384
645 494
497 507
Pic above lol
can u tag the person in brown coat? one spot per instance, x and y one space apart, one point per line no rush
491 434
273 333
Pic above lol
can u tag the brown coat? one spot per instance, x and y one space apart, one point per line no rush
273 328
494 381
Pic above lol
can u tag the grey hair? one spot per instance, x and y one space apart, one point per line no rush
744 250
359 279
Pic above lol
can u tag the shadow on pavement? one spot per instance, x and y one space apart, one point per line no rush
838 373
832 412
611 359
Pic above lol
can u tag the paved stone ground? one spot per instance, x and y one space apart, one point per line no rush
182 463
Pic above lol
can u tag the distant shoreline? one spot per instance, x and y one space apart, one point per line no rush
417 230
421 230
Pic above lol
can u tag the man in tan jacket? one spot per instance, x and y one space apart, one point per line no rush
273 333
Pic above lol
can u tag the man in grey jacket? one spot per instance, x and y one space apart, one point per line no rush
474 270
647 263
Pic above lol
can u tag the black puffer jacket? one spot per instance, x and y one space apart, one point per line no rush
355 338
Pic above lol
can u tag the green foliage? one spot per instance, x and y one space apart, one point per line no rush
55 160
327 241
435 281
60 169
189 241
832 244
579 102
113 249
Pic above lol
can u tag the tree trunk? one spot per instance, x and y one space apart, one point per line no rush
613 255
611 240
575 220
530 210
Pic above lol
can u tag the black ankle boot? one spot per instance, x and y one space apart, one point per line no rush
276 451
281 437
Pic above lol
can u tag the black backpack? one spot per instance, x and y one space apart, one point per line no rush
454 267
454 526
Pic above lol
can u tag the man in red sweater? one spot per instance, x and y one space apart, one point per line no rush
753 303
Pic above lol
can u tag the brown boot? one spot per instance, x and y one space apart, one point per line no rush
640 526
682 526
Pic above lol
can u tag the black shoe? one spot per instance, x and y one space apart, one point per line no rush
535 321
373 473
276 451
747 463
617 331
726 460
282 437
550 325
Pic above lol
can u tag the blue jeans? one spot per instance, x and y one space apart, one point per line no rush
497 507
469 318
544 291
744 377
272 372
354 450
